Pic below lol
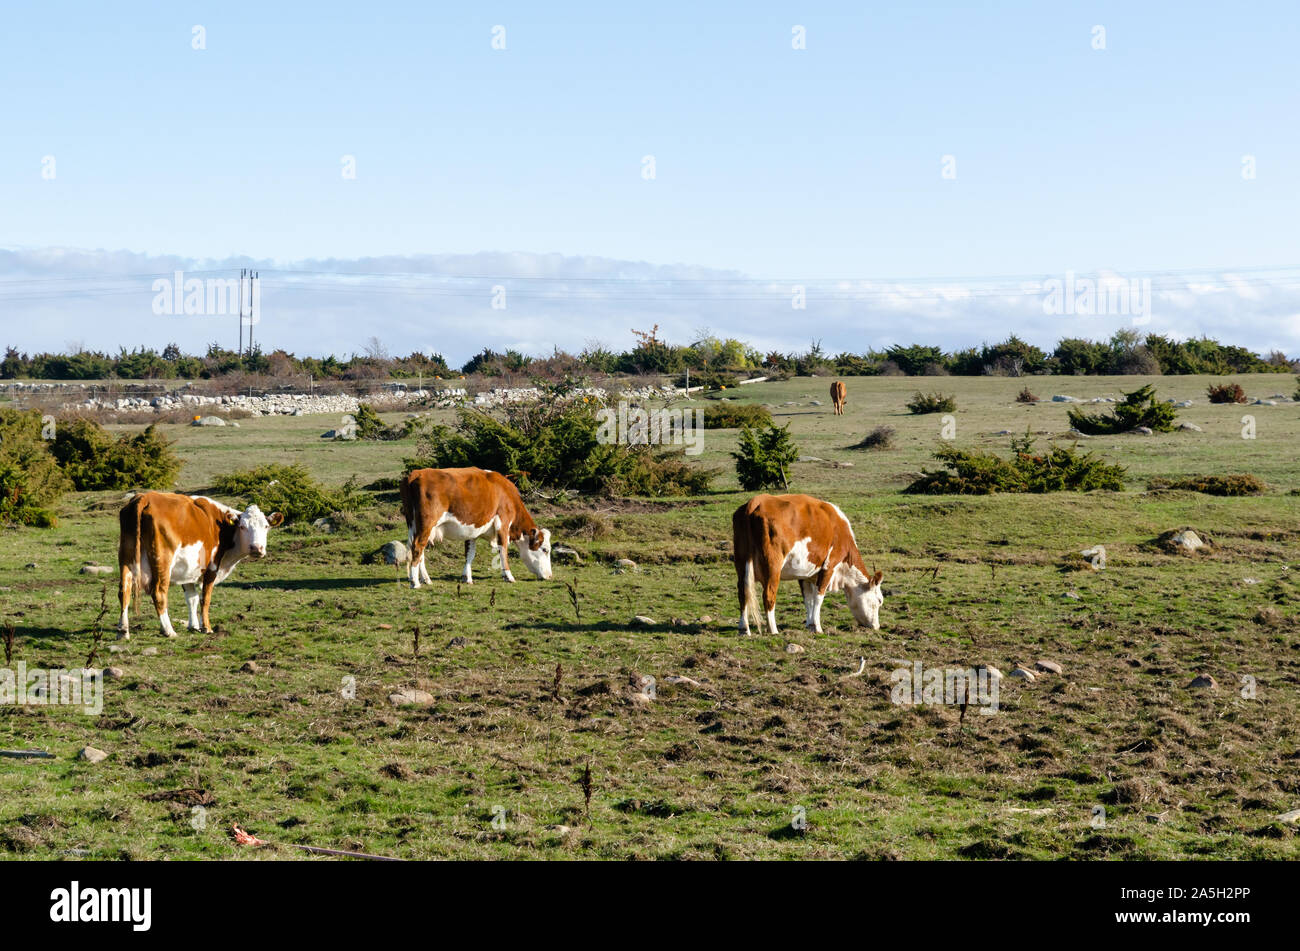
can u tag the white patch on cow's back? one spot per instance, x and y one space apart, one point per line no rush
223 507
845 519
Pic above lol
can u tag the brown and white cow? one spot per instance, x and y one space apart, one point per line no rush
188 540
464 504
838 394
798 537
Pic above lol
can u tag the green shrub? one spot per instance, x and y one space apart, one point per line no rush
1237 484
289 490
1226 393
736 415
93 459
31 481
764 457
1060 469
932 403
556 442
882 437
1139 408
370 426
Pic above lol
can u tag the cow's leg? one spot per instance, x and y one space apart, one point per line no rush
424 572
162 579
192 602
471 546
503 546
817 598
205 600
744 578
126 581
419 541
808 591
770 584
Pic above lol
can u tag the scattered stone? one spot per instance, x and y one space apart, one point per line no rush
347 434
1188 540
114 673
625 564
250 667
811 459
457 641
92 755
1020 673
96 570
408 698
793 648
815 403
993 672
560 830
1190 428
563 554
1075 434
1203 682
640 620
323 524
1265 403
677 680
645 687
384 627
1292 816
1064 399
1003 432
115 649
1072 595
395 553
1096 557
150 652
1141 431
706 619
1250 581
1047 666
209 421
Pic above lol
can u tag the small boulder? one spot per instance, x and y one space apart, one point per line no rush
625 564
562 554
1021 673
114 673
1096 557
96 570
1190 428
1203 682
410 698
250 667
209 421
1047 666
395 553
641 620
1141 431
92 755
1188 540
793 648
149 652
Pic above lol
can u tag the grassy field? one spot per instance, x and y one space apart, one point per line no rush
492 768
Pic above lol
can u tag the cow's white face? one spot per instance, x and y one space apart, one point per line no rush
535 552
865 600
251 529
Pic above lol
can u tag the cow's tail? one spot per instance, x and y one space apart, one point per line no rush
743 550
753 609
136 585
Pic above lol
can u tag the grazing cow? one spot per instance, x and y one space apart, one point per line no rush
799 537
464 504
838 393
168 539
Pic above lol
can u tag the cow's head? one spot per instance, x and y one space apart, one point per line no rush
251 527
535 551
865 598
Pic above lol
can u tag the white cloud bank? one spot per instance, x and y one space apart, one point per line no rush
53 297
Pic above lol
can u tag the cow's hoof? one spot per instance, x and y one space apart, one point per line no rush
170 634
123 635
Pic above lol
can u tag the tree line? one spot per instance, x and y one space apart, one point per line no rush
708 360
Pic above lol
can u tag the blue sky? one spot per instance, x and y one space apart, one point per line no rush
770 162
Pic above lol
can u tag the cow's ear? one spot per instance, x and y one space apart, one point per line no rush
275 518
875 579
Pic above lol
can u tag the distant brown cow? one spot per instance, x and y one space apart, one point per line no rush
838 392
464 504
168 539
798 537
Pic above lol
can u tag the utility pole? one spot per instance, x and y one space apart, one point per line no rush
252 301
242 272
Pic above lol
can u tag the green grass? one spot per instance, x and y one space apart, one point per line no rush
716 771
